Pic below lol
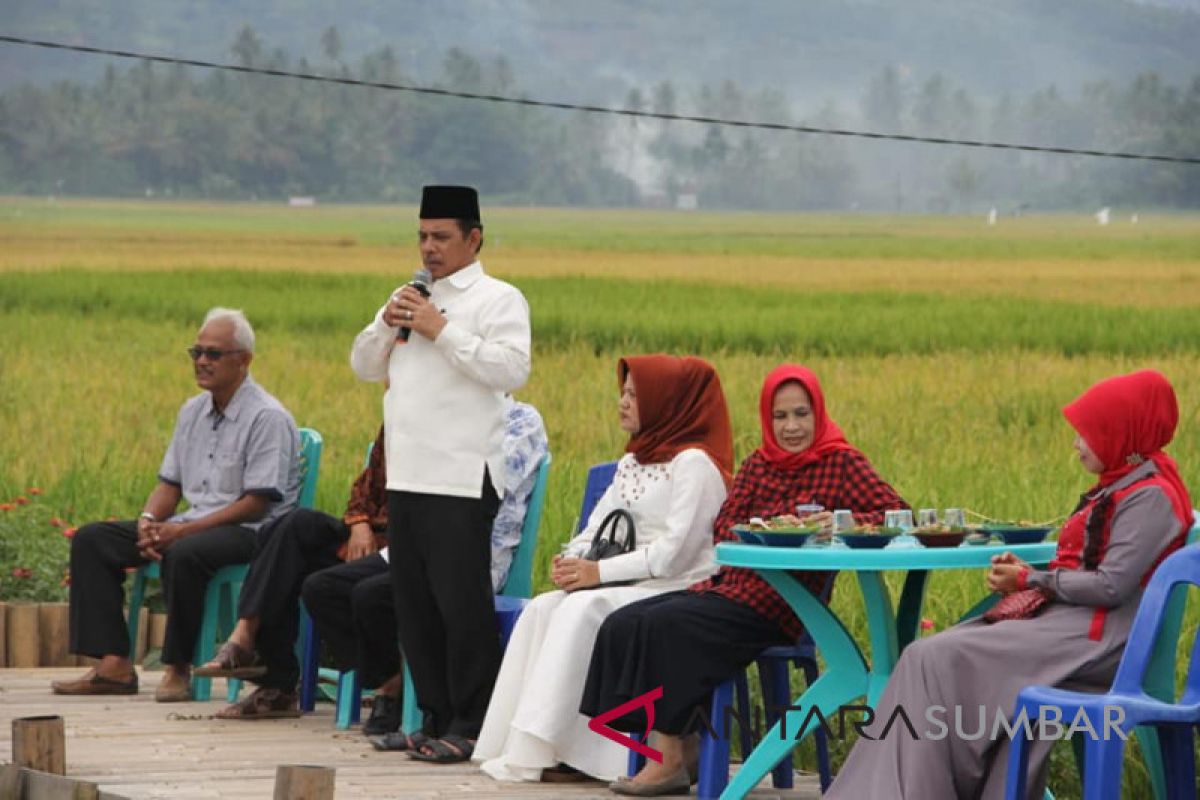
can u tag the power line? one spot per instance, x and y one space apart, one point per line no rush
624 112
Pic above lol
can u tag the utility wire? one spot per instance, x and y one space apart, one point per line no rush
624 112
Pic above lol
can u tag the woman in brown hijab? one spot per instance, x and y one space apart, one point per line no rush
672 480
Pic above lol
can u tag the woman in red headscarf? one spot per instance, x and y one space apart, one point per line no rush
689 642
1067 625
672 480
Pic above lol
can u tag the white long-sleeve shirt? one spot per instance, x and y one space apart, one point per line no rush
674 506
444 408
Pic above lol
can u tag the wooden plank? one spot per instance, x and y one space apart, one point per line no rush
22 634
11 781
53 629
38 743
138 749
44 786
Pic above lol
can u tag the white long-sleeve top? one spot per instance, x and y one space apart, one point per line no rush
674 505
444 408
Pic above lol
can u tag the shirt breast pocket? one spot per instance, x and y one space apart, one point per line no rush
229 473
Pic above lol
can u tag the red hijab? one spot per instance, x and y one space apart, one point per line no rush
827 436
680 405
1127 420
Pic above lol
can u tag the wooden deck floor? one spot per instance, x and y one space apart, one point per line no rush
135 747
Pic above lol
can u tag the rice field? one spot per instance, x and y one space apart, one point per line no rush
946 347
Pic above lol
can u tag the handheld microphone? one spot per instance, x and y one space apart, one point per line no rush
421 280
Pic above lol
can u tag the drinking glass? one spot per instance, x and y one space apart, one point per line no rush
901 518
843 521
927 517
955 519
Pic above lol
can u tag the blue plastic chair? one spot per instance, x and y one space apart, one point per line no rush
220 598
311 673
518 586
774 680
598 479
1172 722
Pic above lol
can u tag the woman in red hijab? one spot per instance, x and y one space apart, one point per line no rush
1067 624
691 641
672 480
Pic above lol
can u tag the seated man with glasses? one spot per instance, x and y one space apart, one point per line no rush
234 457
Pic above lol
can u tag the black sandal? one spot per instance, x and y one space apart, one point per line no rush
399 740
449 749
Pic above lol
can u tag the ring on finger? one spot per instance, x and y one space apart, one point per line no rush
408 315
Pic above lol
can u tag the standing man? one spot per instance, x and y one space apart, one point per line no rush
467 345
234 458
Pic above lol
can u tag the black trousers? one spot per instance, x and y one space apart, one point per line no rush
351 607
686 642
100 553
442 585
289 549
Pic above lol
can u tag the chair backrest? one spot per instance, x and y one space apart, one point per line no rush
519 582
1159 680
598 479
1183 567
311 444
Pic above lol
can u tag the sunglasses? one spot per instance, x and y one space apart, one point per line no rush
211 353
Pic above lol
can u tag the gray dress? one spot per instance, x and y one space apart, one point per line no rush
977 664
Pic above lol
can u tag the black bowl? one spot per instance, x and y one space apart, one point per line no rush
1015 534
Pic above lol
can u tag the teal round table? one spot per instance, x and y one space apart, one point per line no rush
847 675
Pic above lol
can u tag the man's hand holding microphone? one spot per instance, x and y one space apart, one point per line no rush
410 310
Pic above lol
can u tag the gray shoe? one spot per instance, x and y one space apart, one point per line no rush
679 783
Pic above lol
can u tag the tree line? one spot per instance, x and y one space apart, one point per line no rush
173 131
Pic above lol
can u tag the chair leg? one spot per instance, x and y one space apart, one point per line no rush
411 719
137 594
1179 760
746 732
635 761
1102 768
349 699
206 640
714 750
309 662
776 693
820 740
1018 760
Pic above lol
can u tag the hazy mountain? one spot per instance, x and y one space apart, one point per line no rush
588 51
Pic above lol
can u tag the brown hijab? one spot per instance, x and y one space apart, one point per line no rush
680 405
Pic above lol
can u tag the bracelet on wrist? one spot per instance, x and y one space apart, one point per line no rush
148 516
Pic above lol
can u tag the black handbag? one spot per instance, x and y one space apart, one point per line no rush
605 543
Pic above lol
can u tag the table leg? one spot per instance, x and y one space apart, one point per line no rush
912 602
881 626
845 678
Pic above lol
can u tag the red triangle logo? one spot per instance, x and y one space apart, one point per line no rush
599 724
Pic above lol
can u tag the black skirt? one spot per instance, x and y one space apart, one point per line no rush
686 642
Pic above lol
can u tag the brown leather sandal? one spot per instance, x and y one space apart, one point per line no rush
233 661
263 703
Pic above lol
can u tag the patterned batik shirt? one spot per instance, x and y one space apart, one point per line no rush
844 479
525 445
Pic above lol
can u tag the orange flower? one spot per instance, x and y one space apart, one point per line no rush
34 490
22 572
927 624
21 500
56 522
69 532
6 506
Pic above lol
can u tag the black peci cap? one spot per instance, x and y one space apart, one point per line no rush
449 202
